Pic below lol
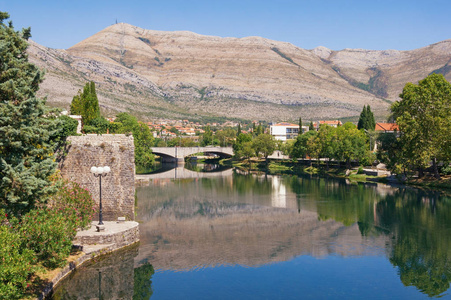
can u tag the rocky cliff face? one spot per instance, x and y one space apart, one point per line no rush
183 74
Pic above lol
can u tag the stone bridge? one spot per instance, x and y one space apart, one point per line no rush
178 154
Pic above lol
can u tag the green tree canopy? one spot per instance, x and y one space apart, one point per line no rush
264 145
423 116
27 126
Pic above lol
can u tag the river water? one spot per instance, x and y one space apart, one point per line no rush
227 235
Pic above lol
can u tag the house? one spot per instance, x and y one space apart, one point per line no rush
386 127
334 123
284 131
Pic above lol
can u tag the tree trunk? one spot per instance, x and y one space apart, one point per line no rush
434 164
420 172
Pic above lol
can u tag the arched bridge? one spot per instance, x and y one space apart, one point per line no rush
178 154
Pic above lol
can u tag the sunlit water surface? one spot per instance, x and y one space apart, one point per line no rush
227 235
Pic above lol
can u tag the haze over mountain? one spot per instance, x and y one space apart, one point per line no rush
187 75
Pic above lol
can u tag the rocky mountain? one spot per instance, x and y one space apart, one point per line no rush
187 75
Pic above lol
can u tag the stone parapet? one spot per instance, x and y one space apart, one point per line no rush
118 233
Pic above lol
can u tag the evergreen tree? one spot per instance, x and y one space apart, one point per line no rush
239 130
362 119
366 119
370 116
26 126
311 126
86 104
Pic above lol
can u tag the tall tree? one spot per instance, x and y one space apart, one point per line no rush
239 130
207 138
311 127
264 145
423 116
26 126
370 117
363 119
86 103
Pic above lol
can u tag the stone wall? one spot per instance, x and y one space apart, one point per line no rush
118 188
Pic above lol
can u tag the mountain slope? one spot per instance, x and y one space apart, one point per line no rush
183 74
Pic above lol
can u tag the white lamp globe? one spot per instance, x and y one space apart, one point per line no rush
94 170
106 169
99 170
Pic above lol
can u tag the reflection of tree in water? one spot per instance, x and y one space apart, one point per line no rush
418 221
422 244
143 285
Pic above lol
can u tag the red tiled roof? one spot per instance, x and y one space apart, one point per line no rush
386 127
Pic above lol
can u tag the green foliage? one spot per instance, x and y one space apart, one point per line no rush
142 282
142 138
366 119
423 116
207 137
17 264
49 234
264 145
300 148
27 128
99 125
226 137
86 104
68 126
239 144
49 230
311 127
360 170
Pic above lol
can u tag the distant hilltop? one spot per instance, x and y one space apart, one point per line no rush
186 75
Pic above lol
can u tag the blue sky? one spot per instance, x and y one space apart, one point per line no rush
339 24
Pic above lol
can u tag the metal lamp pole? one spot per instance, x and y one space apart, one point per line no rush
100 172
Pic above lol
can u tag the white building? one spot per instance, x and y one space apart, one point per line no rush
284 131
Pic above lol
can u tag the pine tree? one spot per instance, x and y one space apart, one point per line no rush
362 119
26 126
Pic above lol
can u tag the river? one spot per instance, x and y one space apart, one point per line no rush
227 235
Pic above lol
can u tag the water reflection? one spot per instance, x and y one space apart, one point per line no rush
200 224
255 220
110 277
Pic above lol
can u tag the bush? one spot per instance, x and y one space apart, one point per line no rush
75 203
49 234
360 170
16 263
446 170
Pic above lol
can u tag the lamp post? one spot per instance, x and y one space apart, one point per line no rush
100 172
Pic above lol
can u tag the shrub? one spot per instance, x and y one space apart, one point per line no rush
75 203
16 263
446 170
49 234
360 170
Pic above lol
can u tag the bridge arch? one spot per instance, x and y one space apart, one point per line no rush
178 154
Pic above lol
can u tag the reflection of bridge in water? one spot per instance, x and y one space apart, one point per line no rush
179 172
178 154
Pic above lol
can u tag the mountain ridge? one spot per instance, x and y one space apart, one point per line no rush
185 74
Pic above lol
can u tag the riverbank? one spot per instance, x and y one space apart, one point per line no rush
89 244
